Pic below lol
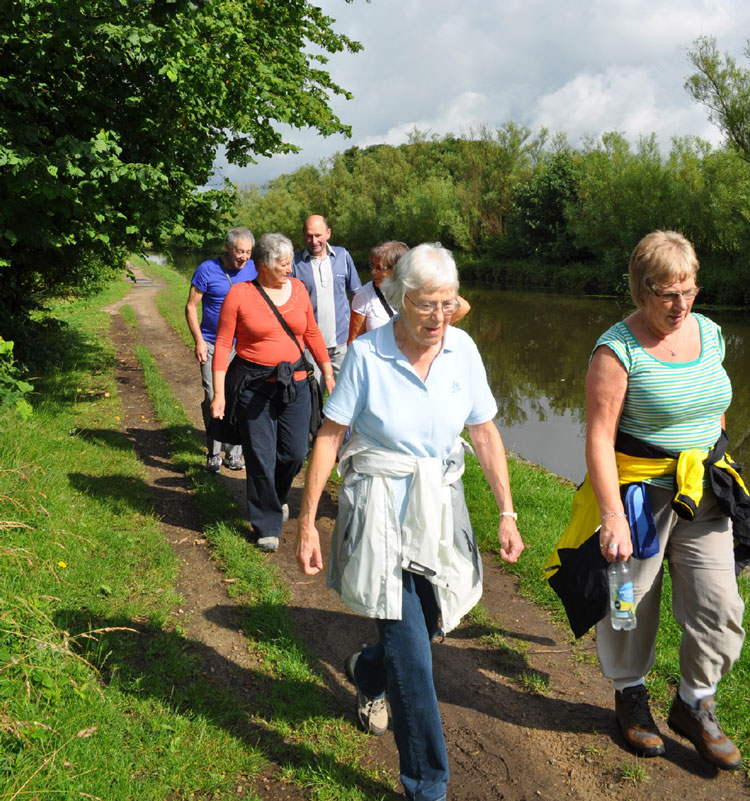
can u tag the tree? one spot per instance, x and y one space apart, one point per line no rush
538 222
723 88
112 113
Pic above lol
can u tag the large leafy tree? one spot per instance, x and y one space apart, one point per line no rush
112 113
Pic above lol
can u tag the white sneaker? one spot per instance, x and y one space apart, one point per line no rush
213 464
371 712
269 544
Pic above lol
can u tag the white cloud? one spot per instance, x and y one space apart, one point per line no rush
585 66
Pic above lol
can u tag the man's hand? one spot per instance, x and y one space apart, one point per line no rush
201 351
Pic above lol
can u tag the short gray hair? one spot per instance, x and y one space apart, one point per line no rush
271 248
233 234
426 265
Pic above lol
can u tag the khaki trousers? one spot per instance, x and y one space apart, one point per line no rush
705 600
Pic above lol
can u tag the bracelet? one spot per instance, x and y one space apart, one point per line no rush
327 376
612 514
514 515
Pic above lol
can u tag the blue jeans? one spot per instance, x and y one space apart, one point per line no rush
401 663
275 437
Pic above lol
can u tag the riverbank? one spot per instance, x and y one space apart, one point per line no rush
241 694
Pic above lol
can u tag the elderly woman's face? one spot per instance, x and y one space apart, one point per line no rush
278 273
667 307
427 312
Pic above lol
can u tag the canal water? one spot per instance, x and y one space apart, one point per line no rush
536 348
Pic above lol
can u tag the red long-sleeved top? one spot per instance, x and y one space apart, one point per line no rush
245 315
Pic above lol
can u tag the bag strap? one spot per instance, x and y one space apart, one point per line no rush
381 298
279 317
226 272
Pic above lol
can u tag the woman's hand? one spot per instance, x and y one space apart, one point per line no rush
218 404
327 372
309 556
510 540
615 540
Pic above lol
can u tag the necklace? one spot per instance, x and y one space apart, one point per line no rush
664 345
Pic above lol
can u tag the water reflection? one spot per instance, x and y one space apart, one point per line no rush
536 348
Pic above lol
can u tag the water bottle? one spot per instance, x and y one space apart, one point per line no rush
621 602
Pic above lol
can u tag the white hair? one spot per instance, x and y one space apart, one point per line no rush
428 265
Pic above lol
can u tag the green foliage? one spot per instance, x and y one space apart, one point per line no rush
112 113
520 212
13 390
723 88
538 224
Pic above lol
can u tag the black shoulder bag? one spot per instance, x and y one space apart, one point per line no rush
381 298
316 394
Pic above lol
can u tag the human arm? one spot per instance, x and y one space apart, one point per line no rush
606 387
218 403
191 315
464 307
490 451
225 333
327 443
356 326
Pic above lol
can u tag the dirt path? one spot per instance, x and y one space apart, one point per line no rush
504 741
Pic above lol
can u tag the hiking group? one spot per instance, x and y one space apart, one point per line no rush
402 385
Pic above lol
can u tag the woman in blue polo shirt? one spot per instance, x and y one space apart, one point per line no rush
403 551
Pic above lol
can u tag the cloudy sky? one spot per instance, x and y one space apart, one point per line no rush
581 67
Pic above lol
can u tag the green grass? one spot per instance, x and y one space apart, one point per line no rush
634 772
88 669
101 696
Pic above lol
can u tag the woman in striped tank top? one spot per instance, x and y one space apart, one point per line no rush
657 376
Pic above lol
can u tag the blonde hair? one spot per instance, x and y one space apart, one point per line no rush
661 258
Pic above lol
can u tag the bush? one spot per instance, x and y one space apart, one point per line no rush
13 390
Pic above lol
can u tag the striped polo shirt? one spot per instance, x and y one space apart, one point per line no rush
676 405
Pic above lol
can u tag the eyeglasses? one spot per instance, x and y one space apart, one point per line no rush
377 268
671 297
447 308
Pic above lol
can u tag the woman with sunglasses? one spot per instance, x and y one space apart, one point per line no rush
370 309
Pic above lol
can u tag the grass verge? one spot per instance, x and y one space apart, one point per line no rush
100 696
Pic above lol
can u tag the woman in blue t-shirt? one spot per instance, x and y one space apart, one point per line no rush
403 550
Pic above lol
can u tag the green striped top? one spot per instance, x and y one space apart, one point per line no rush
676 405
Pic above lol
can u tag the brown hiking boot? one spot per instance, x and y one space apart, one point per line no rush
634 717
700 726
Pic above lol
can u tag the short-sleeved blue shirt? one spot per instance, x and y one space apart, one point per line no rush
381 396
211 279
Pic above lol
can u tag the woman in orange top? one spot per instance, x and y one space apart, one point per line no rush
266 394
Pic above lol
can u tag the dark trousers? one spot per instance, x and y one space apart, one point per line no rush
401 663
275 438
